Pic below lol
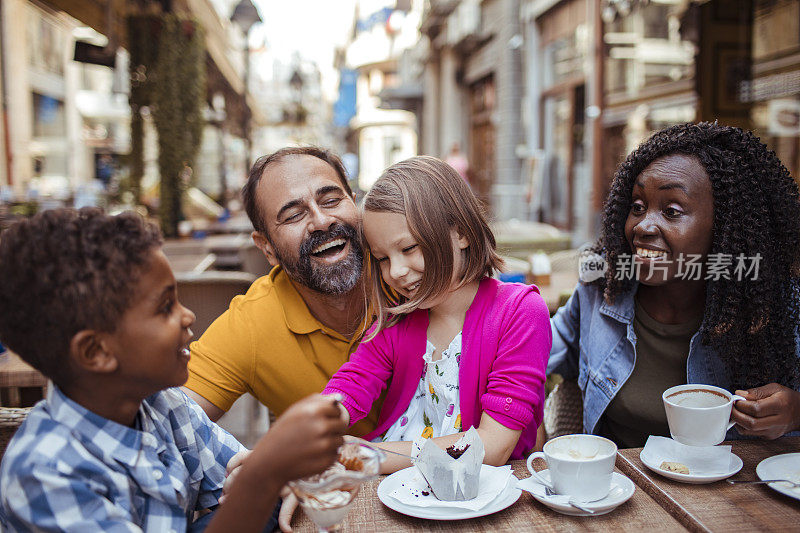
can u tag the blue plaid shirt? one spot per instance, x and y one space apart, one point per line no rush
68 469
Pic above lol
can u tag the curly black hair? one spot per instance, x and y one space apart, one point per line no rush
751 324
63 271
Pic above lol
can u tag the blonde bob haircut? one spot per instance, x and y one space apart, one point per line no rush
435 199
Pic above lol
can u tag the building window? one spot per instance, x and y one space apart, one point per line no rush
45 44
48 116
775 88
564 58
649 47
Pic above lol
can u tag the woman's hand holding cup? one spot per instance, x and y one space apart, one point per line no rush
770 411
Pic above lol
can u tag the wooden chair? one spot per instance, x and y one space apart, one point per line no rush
209 294
20 384
10 419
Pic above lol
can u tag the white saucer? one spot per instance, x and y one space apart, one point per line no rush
622 489
784 466
505 499
695 479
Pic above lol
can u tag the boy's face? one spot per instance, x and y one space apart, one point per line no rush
151 341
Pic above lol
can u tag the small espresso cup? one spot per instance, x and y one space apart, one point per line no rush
698 415
580 466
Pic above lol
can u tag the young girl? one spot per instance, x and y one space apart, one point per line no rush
453 347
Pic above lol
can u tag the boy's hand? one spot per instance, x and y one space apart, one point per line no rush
231 470
305 440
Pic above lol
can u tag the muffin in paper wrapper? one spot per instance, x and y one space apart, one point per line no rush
453 479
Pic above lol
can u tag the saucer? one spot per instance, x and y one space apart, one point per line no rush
784 466
621 491
695 479
506 498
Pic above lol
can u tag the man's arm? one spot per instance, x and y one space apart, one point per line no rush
213 412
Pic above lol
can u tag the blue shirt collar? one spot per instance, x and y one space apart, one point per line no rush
114 440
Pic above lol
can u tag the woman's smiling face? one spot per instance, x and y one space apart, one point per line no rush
671 217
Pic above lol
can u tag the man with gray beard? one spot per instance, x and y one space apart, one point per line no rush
297 325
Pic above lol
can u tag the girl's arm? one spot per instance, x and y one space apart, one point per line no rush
498 443
361 380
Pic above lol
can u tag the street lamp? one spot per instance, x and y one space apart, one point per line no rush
245 15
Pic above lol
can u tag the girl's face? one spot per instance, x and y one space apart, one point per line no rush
398 254
671 217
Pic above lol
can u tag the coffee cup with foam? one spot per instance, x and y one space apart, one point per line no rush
580 465
698 415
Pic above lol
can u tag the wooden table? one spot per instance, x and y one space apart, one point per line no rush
235 224
226 247
191 262
720 506
21 385
640 513
227 243
658 504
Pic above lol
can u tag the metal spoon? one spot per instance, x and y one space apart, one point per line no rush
760 481
412 459
550 492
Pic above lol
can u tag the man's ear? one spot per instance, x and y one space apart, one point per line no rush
89 352
263 244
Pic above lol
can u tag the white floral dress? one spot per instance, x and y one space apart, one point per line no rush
434 410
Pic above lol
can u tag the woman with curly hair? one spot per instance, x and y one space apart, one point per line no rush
701 239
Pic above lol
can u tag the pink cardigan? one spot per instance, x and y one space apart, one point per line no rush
506 341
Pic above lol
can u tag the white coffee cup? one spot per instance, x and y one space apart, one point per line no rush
580 466
698 415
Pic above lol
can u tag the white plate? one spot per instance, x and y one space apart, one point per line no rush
736 465
622 489
505 499
784 466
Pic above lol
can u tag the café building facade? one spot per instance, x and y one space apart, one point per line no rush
602 75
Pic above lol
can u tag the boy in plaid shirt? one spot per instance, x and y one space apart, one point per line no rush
91 302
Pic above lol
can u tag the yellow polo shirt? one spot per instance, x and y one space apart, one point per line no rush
269 344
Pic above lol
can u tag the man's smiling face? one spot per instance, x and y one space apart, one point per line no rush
312 224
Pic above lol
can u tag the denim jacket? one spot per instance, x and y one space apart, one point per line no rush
595 342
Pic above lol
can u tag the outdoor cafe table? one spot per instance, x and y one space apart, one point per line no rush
658 503
720 506
640 513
